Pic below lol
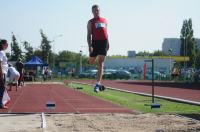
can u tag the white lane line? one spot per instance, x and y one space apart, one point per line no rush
44 123
10 111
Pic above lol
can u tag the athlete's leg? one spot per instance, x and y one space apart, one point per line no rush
20 79
101 59
92 60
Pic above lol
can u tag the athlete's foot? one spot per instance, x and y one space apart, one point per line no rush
3 107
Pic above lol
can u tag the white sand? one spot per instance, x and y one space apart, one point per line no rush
97 123
20 123
119 123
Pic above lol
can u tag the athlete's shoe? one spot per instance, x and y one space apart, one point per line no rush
97 88
102 88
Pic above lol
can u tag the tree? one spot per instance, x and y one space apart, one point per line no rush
188 44
45 48
29 50
158 53
117 56
16 52
38 53
8 56
198 59
67 56
73 58
144 53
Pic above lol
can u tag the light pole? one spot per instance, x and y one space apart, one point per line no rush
185 48
83 47
81 61
170 61
184 38
185 54
53 46
186 51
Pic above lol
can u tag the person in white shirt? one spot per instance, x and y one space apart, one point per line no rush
3 69
13 74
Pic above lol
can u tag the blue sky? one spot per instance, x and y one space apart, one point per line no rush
133 24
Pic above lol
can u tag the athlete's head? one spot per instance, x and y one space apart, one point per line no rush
96 10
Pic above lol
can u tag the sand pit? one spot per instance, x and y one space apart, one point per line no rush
20 123
98 122
120 123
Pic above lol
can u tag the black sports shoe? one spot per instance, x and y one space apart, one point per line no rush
102 88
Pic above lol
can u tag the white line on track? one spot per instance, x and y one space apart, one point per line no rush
44 123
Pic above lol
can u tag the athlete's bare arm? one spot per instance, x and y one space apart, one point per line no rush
89 37
89 33
108 39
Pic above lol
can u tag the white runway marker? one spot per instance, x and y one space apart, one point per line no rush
44 123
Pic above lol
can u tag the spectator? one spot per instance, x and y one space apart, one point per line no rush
3 70
46 72
20 68
50 74
13 75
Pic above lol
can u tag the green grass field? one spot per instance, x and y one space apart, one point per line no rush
137 102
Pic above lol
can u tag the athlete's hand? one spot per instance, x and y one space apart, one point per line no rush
90 49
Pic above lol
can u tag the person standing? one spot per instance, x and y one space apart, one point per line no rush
46 72
97 38
20 68
3 70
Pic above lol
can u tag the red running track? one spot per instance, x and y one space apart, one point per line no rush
176 90
32 98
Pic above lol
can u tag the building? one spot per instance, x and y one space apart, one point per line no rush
131 54
175 45
198 43
171 43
